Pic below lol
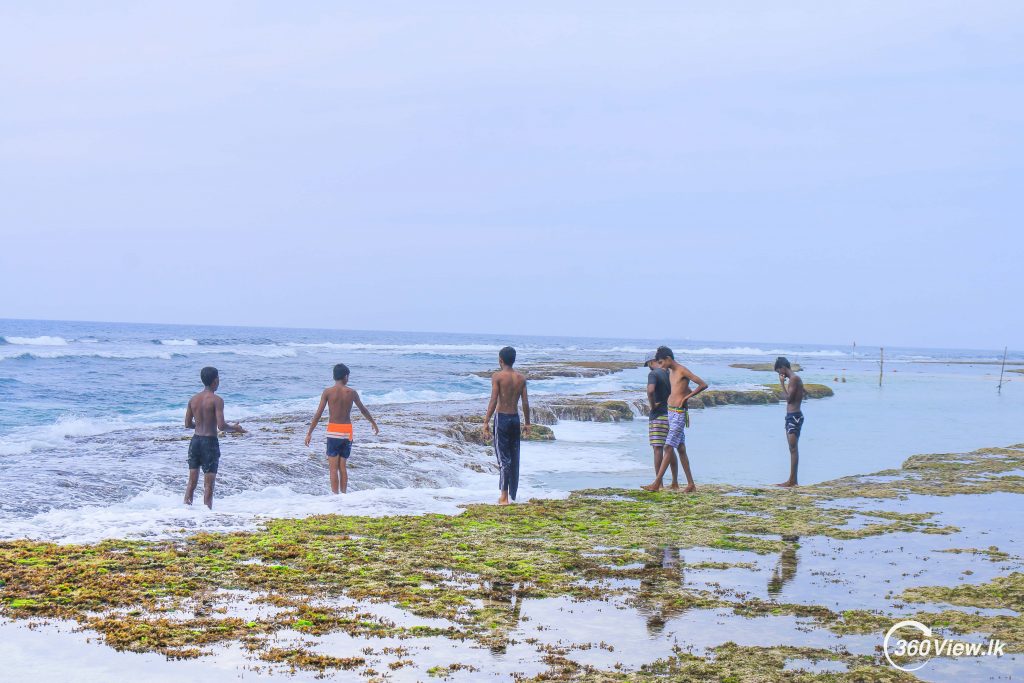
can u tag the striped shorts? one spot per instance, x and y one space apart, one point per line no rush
676 427
657 430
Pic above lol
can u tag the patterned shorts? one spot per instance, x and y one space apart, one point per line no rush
794 423
657 430
676 427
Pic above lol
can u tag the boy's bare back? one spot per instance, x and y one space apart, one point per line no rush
509 385
339 403
207 409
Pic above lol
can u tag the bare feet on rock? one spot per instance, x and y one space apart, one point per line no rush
787 484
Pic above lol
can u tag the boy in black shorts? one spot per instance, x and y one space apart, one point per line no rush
205 414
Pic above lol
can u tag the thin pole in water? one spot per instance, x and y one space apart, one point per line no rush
881 364
1001 369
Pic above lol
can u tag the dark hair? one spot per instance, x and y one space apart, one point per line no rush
507 356
208 375
340 371
663 352
781 362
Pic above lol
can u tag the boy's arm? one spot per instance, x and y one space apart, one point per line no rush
526 410
221 424
491 406
782 381
650 395
190 418
364 411
701 384
316 417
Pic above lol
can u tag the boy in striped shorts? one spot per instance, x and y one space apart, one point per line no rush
658 390
679 379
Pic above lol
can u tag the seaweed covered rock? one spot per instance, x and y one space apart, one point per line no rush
470 429
590 411
582 368
762 367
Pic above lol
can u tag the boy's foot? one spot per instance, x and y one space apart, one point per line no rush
656 486
674 486
503 499
787 484
690 488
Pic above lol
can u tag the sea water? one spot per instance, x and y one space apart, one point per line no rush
93 444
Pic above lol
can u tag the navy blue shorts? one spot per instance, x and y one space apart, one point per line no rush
204 451
338 447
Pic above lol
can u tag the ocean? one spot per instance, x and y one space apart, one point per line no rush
92 442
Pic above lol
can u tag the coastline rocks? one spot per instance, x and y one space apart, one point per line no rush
727 397
583 368
582 409
762 367
470 429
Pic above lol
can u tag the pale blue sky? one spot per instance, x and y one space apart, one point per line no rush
802 171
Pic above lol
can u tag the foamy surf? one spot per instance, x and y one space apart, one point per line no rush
160 513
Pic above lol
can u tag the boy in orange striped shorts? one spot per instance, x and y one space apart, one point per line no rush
339 426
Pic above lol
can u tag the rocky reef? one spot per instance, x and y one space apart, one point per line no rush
582 368
470 429
762 367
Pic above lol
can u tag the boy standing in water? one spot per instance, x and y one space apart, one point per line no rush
339 426
680 378
507 387
794 417
205 414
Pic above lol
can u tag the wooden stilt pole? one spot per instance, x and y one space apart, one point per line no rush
881 364
1001 369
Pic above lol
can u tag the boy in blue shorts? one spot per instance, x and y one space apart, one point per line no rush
339 426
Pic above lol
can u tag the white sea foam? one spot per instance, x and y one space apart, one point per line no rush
36 341
401 348
150 351
179 342
27 439
158 513
421 396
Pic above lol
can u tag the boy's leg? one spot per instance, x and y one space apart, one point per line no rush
658 453
793 440
332 473
690 486
208 480
190 487
343 474
674 464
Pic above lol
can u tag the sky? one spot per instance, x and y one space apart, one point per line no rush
792 171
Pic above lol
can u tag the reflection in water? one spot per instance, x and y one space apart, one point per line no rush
662 565
785 568
504 602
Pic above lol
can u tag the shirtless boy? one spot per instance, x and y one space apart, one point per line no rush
507 387
339 426
680 378
205 414
794 392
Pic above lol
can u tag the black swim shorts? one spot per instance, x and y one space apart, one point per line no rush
204 451
794 423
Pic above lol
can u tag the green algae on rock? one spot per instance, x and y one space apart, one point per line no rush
762 367
467 575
